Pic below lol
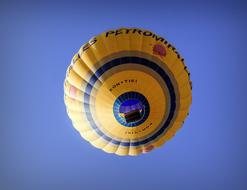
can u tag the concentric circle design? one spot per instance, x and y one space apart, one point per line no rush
127 91
115 63
131 109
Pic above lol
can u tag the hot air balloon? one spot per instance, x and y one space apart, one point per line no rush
127 91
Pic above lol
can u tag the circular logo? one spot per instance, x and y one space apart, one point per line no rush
131 109
159 49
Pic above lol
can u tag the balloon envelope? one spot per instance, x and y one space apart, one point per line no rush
127 91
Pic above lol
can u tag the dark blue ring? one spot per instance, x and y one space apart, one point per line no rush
122 61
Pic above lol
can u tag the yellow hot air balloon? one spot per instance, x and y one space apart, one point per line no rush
127 91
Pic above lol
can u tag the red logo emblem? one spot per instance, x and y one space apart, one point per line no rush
159 49
148 149
72 91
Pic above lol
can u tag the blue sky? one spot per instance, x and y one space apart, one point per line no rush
40 149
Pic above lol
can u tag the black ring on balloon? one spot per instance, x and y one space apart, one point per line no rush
122 61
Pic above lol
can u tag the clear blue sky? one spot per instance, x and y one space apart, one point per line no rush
39 148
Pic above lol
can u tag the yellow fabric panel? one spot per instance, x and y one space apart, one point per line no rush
76 116
82 126
72 91
135 41
168 134
185 103
100 49
110 148
82 69
147 45
73 104
185 91
111 43
121 151
99 143
90 135
88 58
182 114
74 79
177 68
133 151
123 41
183 79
